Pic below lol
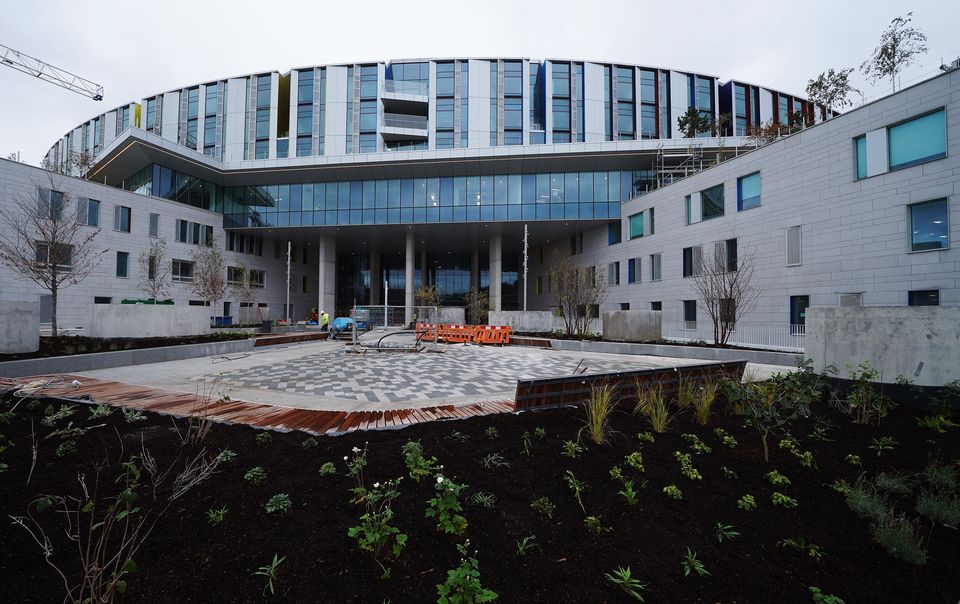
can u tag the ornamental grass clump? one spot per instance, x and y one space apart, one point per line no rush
445 506
703 401
598 409
652 404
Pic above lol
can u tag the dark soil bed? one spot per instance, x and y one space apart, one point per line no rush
67 345
187 560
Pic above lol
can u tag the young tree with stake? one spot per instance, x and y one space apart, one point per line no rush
155 270
900 45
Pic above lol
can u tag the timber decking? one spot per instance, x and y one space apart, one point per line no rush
259 415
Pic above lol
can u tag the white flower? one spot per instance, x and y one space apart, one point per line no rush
439 479
356 449
345 458
376 485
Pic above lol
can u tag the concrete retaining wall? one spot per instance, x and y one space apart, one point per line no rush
453 315
147 320
105 360
534 321
895 339
631 325
19 327
786 359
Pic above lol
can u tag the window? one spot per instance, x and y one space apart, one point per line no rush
121 219
748 192
860 156
614 232
182 271
655 267
656 306
122 261
257 278
690 314
929 228
303 282
725 255
634 270
235 275
798 313
49 204
624 306
924 297
636 225
794 256
151 268
650 221
538 285
916 141
61 255
711 202
613 273
102 300
692 257
88 211
154 225
728 310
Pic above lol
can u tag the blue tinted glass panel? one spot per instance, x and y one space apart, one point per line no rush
919 140
860 147
929 226
636 225
748 192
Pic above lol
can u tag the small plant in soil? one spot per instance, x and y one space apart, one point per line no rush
278 504
725 532
884 443
652 404
527 544
419 466
822 598
673 492
572 449
696 445
269 572
942 476
628 493
310 443
328 469
457 437
483 499
840 486
225 455
100 411
782 500
445 506
939 501
777 479
645 437
355 467
622 579
3 468
939 423
863 402
576 487
52 417
544 507
686 466
728 473
526 444
634 461
492 461
133 415
263 439
375 535
598 409
854 460
799 544
463 583
6 417
216 516
703 401
67 448
540 433
616 473
725 438
769 407
747 503
491 433
595 525
821 430
691 565
255 475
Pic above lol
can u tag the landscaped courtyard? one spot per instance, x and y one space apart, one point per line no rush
524 505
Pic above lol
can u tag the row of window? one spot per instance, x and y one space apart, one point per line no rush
911 142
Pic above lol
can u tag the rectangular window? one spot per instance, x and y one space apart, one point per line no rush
860 156
651 227
257 278
61 255
655 264
919 140
303 282
121 219
728 310
88 211
182 271
49 204
725 255
101 300
798 313
656 306
794 255
924 297
122 260
154 225
634 270
690 314
711 202
613 273
929 226
614 232
538 285
692 259
636 225
235 275
748 192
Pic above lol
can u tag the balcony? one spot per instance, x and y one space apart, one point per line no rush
403 127
408 88
399 96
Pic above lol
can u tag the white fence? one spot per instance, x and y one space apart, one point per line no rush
772 336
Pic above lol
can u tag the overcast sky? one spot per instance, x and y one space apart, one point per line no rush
138 49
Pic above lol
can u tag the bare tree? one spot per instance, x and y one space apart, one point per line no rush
209 280
900 45
241 287
155 270
478 305
725 288
576 290
831 89
77 163
45 242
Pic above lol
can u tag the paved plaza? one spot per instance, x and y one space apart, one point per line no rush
323 375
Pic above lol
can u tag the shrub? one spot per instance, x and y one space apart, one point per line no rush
821 598
278 504
445 506
782 500
100 411
66 448
226 455
572 449
310 443
777 479
863 402
328 468
747 503
634 460
418 465
897 484
543 506
463 583
598 409
374 534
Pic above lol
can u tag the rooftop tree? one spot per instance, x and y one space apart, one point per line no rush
900 45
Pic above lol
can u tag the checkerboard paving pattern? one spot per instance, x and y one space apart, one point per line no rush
382 377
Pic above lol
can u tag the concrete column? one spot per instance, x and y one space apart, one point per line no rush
424 270
408 285
376 283
475 269
326 275
496 268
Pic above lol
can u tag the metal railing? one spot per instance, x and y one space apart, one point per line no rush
400 120
774 336
403 87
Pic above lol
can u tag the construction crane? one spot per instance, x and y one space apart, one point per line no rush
48 73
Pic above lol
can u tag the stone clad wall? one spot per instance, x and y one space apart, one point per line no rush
20 327
145 320
631 325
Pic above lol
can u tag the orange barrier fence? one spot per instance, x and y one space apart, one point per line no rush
460 334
